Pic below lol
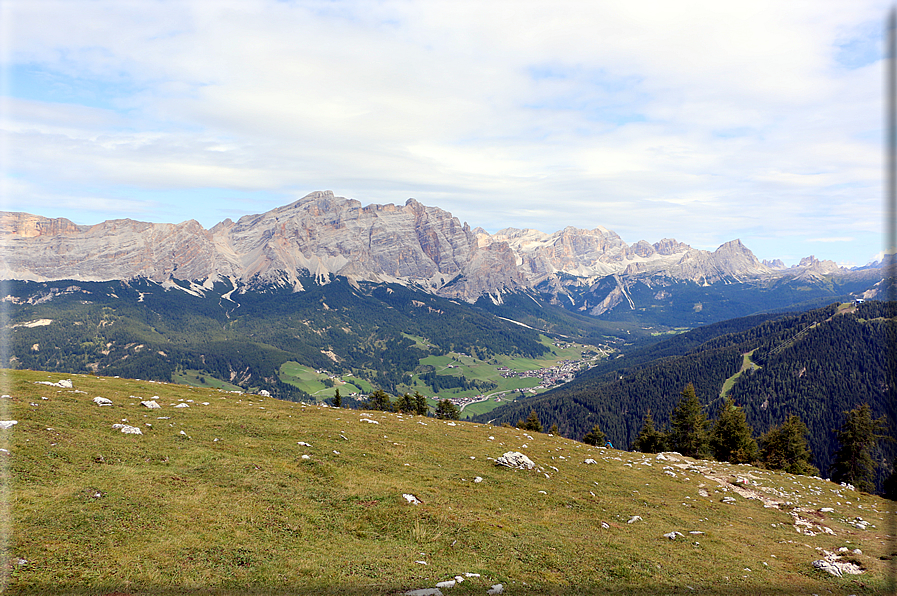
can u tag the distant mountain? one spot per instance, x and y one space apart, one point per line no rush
321 235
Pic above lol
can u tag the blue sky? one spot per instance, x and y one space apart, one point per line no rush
701 121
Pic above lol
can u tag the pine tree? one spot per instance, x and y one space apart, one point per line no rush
595 436
532 423
447 410
858 436
649 439
406 404
337 399
785 448
379 400
554 429
730 438
420 404
689 426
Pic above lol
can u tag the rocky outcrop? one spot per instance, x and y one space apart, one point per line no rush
323 235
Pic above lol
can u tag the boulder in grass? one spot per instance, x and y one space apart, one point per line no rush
495 590
827 566
5 424
128 429
152 405
102 401
411 499
515 459
424 592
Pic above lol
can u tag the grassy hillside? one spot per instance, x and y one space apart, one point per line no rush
220 498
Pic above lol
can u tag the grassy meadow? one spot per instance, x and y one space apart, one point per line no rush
220 497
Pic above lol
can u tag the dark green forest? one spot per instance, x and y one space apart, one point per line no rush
139 329
817 365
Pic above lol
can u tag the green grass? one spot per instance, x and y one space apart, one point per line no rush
746 364
475 369
198 378
95 511
313 383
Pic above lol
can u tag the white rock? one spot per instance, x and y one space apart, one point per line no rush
303 443
634 519
459 579
471 575
446 584
826 566
495 590
590 461
672 535
127 429
424 592
605 525
4 424
182 406
369 420
478 479
65 384
102 401
411 499
151 405
515 459
303 457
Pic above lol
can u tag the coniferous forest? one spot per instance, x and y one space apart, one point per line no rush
816 365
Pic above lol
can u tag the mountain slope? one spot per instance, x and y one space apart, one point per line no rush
816 364
218 498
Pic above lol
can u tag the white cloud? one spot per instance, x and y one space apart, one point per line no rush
702 120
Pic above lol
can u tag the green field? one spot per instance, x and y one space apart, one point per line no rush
472 368
197 378
746 364
221 499
316 384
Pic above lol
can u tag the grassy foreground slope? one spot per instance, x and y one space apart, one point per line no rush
218 498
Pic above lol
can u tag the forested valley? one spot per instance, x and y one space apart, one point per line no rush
816 365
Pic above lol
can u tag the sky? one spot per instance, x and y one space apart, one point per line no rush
699 121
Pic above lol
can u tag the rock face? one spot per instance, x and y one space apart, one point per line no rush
322 234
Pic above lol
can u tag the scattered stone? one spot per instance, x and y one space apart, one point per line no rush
590 461
515 459
303 457
265 393
478 479
64 384
495 590
672 535
605 525
369 420
828 567
127 429
411 499
826 510
542 492
471 575
729 500
634 519
303 443
152 405
424 592
5 424
459 579
447 584
182 406
102 401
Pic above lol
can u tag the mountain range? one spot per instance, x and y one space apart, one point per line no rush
322 235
